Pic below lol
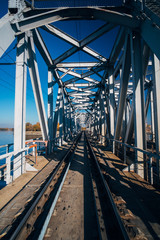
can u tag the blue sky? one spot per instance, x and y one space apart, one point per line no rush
78 30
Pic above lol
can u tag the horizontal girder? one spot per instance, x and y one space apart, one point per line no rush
60 14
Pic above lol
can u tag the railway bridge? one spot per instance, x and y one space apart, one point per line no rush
103 77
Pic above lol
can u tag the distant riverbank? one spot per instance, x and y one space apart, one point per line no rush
6 129
37 133
7 136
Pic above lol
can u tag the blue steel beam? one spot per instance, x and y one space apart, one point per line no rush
75 13
151 35
35 80
123 87
64 36
99 32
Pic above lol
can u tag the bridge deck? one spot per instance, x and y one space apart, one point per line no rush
136 200
15 196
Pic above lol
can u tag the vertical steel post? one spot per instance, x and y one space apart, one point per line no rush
150 174
96 121
67 121
55 121
8 171
20 105
61 118
138 102
103 118
50 110
152 116
98 117
111 101
64 117
36 85
124 78
156 97
70 122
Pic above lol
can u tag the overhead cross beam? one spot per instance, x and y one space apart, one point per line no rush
77 44
98 68
82 44
38 20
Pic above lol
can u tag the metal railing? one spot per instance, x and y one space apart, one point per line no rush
59 140
138 158
11 161
15 161
7 170
6 148
146 160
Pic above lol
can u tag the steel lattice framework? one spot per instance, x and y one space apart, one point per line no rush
112 105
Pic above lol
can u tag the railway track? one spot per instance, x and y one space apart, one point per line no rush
92 202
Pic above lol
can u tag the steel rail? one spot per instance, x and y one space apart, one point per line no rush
16 233
33 225
119 228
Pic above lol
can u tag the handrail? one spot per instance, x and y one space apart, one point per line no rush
10 157
7 173
7 146
149 154
135 148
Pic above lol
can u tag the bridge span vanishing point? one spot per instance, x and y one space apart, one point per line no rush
104 78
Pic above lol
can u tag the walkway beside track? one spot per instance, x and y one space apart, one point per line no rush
137 201
16 196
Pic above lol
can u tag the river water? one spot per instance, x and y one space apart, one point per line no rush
6 137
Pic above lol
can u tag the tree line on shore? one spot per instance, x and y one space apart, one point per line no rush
29 127
34 127
6 129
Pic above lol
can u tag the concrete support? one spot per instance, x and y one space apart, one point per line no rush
20 105
156 98
50 110
138 103
36 85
